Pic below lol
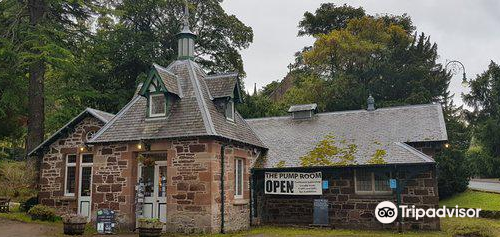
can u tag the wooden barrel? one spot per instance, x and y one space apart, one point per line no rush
149 232
74 228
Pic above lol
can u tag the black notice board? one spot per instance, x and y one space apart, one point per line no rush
105 221
320 214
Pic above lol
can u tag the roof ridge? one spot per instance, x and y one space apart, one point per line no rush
205 114
222 75
415 151
351 111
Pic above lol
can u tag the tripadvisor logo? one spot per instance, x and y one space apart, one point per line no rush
386 212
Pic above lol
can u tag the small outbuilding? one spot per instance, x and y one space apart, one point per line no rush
395 143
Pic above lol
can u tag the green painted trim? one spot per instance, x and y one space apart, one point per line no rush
153 76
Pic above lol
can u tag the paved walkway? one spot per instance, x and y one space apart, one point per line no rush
490 185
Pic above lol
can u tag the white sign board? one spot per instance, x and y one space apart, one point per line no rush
293 183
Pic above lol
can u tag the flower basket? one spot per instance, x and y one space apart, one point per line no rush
150 227
74 224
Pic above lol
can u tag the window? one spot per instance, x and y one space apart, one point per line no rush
239 167
69 184
367 182
86 174
230 110
89 135
157 105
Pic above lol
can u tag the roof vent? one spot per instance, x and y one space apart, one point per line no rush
302 111
371 103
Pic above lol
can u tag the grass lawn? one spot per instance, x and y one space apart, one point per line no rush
474 199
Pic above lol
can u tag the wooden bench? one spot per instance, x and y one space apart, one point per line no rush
4 204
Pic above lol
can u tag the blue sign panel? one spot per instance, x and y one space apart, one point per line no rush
393 183
325 184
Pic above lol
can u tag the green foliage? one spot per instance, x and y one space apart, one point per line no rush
17 179
378 157
329 152
481 163
328 17
453 173
42 213
28 204
461 227
256 106
280 164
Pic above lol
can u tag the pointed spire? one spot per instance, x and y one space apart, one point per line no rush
255 89
186 37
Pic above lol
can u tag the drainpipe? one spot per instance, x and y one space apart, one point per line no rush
222 201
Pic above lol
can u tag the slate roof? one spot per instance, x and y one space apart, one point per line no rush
169 79
104 117
222 85
194 114
388 129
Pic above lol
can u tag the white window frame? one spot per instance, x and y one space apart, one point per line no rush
66 193
232 111
151 105
373 191
236 183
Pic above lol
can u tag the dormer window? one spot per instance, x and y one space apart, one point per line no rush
230 110
157 105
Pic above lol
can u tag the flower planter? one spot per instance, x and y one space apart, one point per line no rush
150 227
74 224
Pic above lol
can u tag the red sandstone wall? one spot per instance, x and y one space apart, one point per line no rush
52 169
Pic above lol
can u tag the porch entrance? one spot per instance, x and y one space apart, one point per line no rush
84 185
153 177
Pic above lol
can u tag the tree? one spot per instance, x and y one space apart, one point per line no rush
41 33
328 17
377 56
484 98
128 39
453 172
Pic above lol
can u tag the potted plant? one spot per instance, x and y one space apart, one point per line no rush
150 227
74 224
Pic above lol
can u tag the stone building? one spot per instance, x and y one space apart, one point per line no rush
180 152
408 136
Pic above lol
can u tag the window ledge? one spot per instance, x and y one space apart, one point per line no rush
240 201
156 118
67 198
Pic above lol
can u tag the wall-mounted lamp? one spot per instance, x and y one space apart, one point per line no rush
447 145
143 146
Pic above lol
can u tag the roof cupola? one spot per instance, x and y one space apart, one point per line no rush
185 38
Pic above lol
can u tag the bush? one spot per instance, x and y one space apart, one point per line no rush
28 204
452 171
482 164
43 213
17 179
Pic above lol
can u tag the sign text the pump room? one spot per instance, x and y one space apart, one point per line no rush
293 183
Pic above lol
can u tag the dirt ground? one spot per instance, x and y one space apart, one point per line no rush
10 228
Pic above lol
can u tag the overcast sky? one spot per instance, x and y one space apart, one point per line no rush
468 31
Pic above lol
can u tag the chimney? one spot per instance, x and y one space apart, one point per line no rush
305 111
371 103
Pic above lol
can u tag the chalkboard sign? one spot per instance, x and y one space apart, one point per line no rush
320 214
105 221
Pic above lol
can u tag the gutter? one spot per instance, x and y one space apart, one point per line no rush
222 196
